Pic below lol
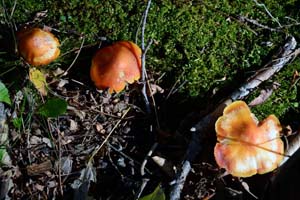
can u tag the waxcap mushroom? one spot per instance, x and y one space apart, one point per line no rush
38 47
245 146
116 65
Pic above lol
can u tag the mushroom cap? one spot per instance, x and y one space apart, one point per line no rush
246 147
38 47
115 65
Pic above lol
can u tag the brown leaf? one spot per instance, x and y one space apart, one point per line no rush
38 169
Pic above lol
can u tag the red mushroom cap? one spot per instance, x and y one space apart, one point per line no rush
246 147
38 47
115 65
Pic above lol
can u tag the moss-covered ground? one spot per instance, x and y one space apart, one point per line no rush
203 48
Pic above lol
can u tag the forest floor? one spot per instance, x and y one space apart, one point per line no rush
78 142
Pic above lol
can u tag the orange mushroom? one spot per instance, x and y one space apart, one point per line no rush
245 146
115 65
38 47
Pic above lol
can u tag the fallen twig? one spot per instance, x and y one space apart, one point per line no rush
267 11
285 55
77 55
255 22
143 59
107 137
145 179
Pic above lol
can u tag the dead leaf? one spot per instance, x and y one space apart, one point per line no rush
155 89
34 140
6 183
77 112
66 164
40 15
99 127
39 187
73 125
39 81
58 72
37 169
62 83
47 141
86 175
264 95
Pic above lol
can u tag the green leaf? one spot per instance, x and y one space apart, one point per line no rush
157 194
53 107
4 96
4 157
17 122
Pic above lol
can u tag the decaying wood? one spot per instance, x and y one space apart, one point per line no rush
286 54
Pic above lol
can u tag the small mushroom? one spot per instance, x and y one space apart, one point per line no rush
245 146
38 47
115 65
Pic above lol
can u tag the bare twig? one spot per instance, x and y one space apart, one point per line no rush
66 72
286 55
107 137
125 155
267 11
255 22
59 164
145 179
13 9
144 51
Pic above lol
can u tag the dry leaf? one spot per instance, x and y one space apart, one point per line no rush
40 15
155 89
58 72
39 81
77 112
37 169
73 125
264 95
34 140
47 141
62 83
66 164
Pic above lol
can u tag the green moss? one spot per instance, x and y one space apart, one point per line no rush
285 98
202 43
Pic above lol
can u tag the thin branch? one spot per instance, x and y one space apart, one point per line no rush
13 9
286 55
107 137
143 59
144 23
268 12
77 55
145 180
255 22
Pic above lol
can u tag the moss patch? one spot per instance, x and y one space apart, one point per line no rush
203 44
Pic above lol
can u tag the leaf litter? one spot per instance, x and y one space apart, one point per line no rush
50 156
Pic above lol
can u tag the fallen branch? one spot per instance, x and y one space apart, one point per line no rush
143 58
286 54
